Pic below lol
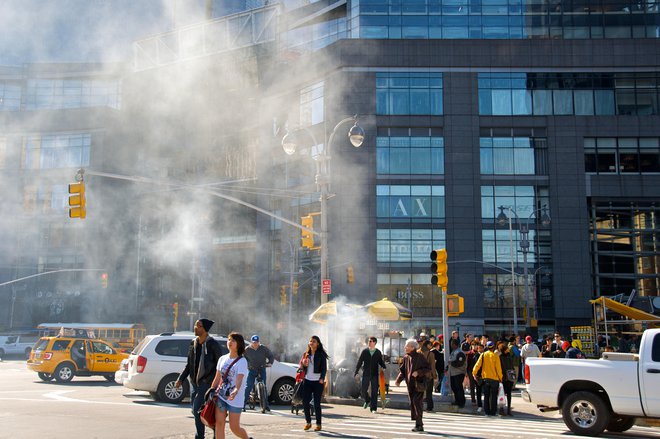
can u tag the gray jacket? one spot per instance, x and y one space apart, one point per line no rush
256 358
457 370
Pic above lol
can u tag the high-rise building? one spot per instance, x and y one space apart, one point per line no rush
522 136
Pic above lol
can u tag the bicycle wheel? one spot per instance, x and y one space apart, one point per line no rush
261 390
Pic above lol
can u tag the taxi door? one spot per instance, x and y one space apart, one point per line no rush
102 358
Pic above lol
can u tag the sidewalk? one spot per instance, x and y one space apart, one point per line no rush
398 399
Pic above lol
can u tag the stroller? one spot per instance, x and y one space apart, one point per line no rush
297 400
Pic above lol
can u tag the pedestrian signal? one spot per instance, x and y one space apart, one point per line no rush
455 305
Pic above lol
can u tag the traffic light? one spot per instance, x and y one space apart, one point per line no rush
295 287
455 306
307 237
439 268
350 278
77 204
104 280
282 294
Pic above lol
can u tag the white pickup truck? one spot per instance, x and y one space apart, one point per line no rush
595 395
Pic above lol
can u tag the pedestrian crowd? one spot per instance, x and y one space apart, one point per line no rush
487 370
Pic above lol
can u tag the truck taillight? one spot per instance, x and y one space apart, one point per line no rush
141 364
47 355
526 374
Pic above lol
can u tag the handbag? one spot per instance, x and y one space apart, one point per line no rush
511 375
207 412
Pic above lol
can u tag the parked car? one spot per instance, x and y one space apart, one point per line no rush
62 357
595 395
17 344
155 364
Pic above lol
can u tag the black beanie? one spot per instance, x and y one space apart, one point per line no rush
206 323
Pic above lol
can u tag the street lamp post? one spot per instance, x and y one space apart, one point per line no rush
356 137
524 248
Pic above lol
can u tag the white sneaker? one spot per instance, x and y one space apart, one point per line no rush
480 410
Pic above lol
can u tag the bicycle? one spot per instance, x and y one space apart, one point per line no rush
258 395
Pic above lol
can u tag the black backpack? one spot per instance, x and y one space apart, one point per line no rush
459 361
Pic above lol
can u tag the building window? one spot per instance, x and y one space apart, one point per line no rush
410 203
502 19
54 94
409 93
513 156
10 96
57 151
524 200
311 105
625 248
409 151
623 155
578 94
407 245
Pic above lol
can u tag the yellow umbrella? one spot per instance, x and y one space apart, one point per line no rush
385 309
332 309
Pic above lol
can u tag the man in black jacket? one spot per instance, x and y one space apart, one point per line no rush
203 355
370 359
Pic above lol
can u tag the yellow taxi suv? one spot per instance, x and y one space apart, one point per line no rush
63 357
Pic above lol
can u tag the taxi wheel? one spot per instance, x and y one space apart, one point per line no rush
64 372
110 377
46 376
167 391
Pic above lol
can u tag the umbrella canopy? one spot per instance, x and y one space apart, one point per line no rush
331 309
385 309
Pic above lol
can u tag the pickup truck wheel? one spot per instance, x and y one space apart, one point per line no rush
45 376
167 392
282 391
619 424
64 372
585 414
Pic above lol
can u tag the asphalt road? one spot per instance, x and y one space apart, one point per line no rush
93 408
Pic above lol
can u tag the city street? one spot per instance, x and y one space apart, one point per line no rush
94 408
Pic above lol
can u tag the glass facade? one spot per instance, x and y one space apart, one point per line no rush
413 152
312 104
10 96
508 19
626 155
523 200
406 245
410 203
625 239
409 93
52 94
561 94
513 156
57 151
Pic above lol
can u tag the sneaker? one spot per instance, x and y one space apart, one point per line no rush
418 428
480 410
317 428
373 411
307 427
268 409
365 405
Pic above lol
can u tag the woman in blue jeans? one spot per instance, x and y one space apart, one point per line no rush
315 364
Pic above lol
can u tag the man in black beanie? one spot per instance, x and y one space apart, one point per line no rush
203 355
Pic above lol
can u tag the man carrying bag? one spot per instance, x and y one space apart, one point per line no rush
203 355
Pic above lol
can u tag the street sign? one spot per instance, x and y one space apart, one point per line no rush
326 286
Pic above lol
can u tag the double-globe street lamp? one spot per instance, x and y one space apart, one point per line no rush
523 226
322 178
